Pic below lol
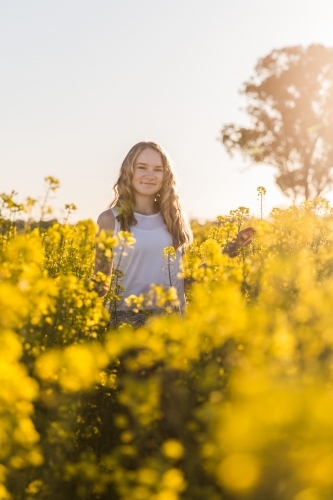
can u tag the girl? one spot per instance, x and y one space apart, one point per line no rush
147 205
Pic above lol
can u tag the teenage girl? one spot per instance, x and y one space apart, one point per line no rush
146 204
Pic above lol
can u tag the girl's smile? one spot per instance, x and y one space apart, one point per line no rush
148 173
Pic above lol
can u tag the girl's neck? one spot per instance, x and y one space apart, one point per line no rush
145 207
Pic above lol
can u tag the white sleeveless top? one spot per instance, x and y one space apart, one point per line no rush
144 264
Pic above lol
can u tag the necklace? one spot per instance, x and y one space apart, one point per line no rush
155 211
141 213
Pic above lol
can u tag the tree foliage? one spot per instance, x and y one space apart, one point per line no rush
290 105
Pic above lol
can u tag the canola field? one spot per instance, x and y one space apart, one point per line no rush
232 400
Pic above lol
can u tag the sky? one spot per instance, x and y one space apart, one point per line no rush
83 81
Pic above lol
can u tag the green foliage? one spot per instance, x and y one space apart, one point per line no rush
232 400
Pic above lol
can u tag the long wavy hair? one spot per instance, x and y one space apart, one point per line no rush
166 199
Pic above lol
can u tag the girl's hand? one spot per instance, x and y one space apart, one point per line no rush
244 237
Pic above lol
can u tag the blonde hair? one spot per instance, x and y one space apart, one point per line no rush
167 199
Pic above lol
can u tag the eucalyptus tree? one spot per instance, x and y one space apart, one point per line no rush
290 107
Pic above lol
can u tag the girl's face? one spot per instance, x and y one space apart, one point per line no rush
148 172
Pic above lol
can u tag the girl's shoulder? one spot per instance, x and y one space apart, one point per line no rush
106 220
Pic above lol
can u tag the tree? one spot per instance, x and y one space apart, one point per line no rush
290 105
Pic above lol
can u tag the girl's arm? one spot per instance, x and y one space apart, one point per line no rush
105 222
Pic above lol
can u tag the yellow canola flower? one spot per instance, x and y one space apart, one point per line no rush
25 249
48 364
238 472
126 238
173 479
255 344
76 368
169 254
14 306
322 471
147 476
165 494
162 297
4 493
25 432
173 449
105 241
157 296
16 386
135 302
34 487
11 347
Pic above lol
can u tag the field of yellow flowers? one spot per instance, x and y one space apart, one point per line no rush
233 400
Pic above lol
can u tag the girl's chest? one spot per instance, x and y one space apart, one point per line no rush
153 241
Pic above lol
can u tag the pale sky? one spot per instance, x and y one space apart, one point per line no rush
83 81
